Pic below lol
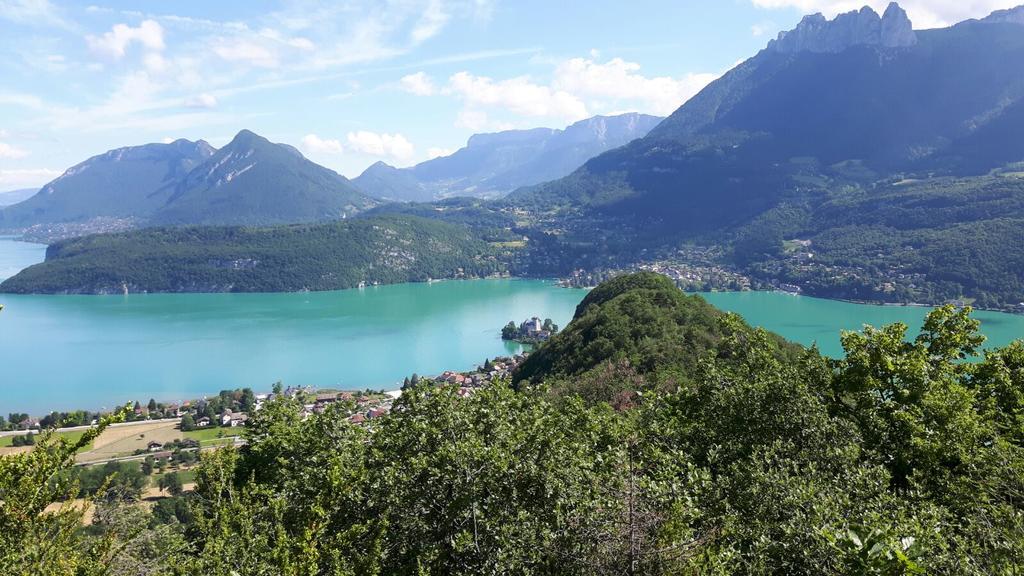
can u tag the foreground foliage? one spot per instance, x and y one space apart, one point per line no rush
900 458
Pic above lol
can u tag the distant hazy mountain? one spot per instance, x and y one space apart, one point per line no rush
131 182
249 181
492 165
15 196
254 181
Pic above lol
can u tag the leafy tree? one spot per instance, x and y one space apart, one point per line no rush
34 540
171 483
248 400
510 331
188 423
24 440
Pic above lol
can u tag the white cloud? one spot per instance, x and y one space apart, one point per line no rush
29 101
26 177
438 152
518 95
302 44
204 100
155 62
393 145
10 152
246 51
314 144
619 80
114 44
32 12
924 13
419 84
430 23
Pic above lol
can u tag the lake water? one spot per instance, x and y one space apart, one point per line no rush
65 352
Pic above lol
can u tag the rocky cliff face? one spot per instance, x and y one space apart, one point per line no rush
1011 16
815 33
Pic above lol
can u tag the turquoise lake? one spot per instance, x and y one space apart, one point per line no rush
66 352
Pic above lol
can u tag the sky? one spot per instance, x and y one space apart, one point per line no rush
351 82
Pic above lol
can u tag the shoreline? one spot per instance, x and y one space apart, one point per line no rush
554 281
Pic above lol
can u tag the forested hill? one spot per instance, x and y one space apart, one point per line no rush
337 255
897 459
633 333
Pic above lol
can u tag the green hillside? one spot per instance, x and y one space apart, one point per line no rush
331 256
634 333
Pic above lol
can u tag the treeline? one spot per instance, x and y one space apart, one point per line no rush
750 456
383 249
19 420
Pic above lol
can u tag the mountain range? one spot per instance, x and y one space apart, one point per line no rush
492 165
252 181
249 181
851 158
14 196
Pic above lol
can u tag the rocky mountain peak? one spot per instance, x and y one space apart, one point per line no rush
1010 16
815 33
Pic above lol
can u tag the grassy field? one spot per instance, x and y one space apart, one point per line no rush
125 440
213 436
186 476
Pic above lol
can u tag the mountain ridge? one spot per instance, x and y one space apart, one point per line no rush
127 182
254 181
493 164
249 181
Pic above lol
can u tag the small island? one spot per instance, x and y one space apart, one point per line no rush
532 331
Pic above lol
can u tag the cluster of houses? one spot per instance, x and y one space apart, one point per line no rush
500 368
367 406
700 277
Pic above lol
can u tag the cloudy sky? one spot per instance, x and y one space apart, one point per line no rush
350 82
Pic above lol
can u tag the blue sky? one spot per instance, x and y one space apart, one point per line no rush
353 82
